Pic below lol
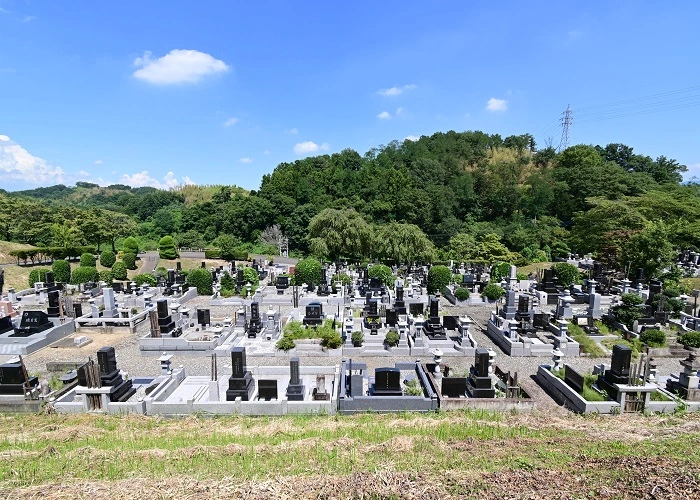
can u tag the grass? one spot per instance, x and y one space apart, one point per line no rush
588 393
588 345
635 344
659 396
533 268
461 452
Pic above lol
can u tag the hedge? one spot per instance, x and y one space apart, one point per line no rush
37 275
147 278
83 274
51 253
212 253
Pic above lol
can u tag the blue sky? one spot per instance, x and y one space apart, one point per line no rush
160 93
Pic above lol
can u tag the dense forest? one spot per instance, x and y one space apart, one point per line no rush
467 196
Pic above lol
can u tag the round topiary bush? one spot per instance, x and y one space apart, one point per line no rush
82 274
146 278
307 271
567 274
689 339
119 271
493 292
392 338
384 273
107 277
61 271
108 258
500 270
653 338
87 260
129 260
200 279
462 294
438 278
130 245
39 274
166 248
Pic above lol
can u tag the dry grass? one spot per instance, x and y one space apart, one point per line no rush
190 263
534 268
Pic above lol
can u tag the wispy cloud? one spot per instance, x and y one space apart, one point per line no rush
97 162
495 105
177 66
246 160
394 91
28 19
292 131
231 121
400 111
143 178
308 147
384 115
267 152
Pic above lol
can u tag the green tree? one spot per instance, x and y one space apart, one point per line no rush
227 282
438 278
567 273
403 243
650 249
344 232
384 273
61 271
200 279
119 271
87 260
36 275
83 274
166 248
307 271
129 260
108 258
130 245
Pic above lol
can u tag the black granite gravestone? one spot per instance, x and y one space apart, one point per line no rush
240 383
454 387
314 314
255 324
121 390
295 389
165 322
6 324
479 383
203 317
450 322
573 379
415 309
32 322
387 382
14 380
267 389
391 317
77 309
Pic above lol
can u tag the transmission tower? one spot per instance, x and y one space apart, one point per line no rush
567 119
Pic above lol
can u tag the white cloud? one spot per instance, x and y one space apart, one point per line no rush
17 164
292 131
231 121
574 34
97 162
494 104
267 152
177 66
384 115
400 111
413 138
143 178
246 160
83 173
28 19
394 91
307 147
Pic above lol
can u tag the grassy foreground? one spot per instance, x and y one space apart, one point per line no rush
470 454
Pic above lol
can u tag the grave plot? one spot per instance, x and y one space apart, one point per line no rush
250 390
315 335
403 387
484 386
622 388
686 385
30 331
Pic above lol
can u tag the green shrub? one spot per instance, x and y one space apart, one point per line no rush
462 294
201 279
653 338
392 338
689 339
130 245
119 271
357 339
307 271
212 253
384 273
108 258
227 292
493 292
343 278
146 278
240 255
331 339
499 271
285 343
82 274
107 277
227 283
129 260
567 274
61 271
36 275
87 260
166 248
413 388
438 278
629 311
251 276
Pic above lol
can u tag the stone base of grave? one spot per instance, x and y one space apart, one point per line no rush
296 392
240 388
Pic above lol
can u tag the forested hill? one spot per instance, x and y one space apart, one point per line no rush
455 187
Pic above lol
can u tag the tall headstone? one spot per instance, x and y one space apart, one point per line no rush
54 307
255 324
479 382
240 383
165 322
387 382
295 389
110 304
204 317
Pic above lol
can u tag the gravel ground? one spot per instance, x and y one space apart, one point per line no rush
130 360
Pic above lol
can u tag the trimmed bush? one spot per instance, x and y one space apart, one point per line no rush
107 277
392 338
384 273
689 339
212 253
240 255
36 275
129 260
227 282
166 248
357 339
146 278
119 271
82 274
251 276
307 271
130 245
108 258
438 278
653 338
61 271
201 279
87 260
567 274
499 271
493 292
462 294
